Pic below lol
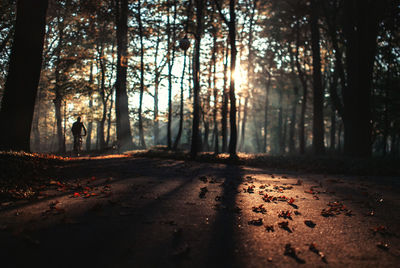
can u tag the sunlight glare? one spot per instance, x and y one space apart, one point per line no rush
240 77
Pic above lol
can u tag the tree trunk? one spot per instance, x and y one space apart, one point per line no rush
156 128
250 71
333 130
142 142
239 114
178 137
292 142
339 142
124 136
171 58
196 80
35 127
157 75
100 131
111 87
57 106
360 29
205 113
232 97
244 121
90 123
318 96
279 132
284 135
303 80
215 112
267 86
225 100
18 102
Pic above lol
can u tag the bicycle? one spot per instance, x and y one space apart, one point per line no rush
78 145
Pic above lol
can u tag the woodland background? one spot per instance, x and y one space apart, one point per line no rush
308 77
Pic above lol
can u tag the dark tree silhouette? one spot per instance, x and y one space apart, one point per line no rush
171 39
361 21
124 136
196 80
19 97
318 100
231 23
142 143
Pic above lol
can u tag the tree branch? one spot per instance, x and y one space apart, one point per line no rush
220 12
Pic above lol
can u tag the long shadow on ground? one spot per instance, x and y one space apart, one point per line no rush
223 239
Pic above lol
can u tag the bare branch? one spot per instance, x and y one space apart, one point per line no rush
220 12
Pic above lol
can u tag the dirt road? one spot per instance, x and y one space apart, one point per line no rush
138 212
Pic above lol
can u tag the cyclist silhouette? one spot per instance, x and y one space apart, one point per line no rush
77 128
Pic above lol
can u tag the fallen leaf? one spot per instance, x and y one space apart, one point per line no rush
310 223
203 192
285 214
259 209
285 226
269 228
257 222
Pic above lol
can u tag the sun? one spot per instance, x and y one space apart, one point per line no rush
240 77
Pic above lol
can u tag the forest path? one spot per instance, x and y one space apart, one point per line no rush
140 212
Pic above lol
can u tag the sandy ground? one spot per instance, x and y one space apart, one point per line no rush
138 212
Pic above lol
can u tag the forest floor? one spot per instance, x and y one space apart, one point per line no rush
134 211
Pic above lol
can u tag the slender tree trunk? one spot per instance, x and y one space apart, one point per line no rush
331 22
205 113
35 126
244 121
59 77
142 142
90 123
215 112
100 131
171 58
333 130
124 136
109 115
318 92
65 127
57 106
98 127
339 147
302 77
196 80
232 97
156 129
284 135
292 143
205 143
169 79
394 144
178 137
267 86
250 71
279 132
225 100
111 94
239 115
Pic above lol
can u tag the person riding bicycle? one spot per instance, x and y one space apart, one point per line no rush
77 128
